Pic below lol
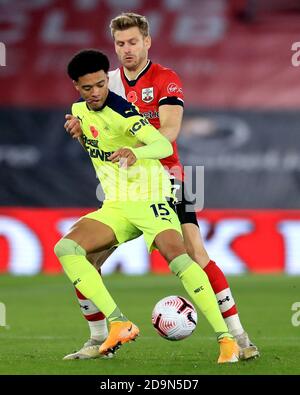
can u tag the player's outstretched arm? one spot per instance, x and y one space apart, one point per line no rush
156 145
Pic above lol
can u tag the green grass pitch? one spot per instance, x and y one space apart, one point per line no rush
45 323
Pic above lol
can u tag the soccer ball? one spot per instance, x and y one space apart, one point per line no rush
174 318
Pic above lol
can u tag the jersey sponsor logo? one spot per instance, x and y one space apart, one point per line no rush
137 125
98 153
174 88
132 97
147 94
150 114
93 143
94 131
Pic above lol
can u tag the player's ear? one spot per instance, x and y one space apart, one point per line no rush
76 85
148 42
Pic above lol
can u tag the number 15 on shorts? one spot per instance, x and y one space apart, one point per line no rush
160 210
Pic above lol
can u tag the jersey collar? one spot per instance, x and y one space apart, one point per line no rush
141 73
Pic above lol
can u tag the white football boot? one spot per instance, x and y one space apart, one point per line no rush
247 349
90 350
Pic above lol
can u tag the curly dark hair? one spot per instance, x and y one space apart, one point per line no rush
86 62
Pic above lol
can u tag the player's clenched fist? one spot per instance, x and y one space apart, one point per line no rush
124 156
72 126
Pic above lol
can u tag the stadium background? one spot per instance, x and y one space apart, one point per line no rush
239 62
241 123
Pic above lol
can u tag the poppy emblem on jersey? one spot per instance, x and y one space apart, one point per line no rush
174 88
132 97
147 94
94 131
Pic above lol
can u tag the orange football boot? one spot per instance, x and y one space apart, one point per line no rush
120 332
229 350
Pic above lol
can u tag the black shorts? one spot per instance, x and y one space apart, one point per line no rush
185 216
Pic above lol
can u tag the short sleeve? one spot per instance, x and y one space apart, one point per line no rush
170 89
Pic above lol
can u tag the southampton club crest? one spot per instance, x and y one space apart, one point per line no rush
147 95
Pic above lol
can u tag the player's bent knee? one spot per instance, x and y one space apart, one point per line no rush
170 244
173 254
68 247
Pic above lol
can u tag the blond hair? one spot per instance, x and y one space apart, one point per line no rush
126 20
